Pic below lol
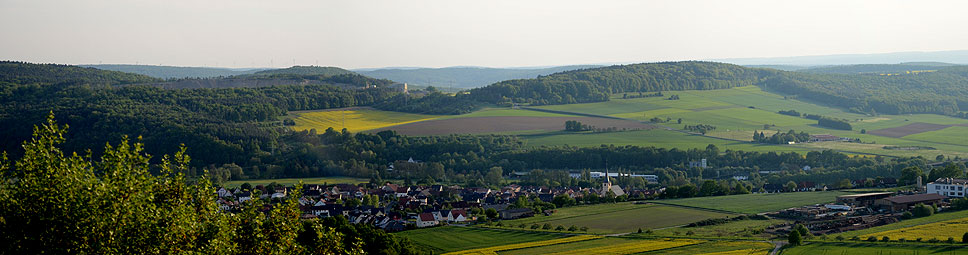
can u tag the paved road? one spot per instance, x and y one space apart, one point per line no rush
776 246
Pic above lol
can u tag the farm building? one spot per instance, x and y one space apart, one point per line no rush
903 203
866 199
516 213
949 187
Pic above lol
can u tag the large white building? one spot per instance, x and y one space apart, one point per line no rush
948 187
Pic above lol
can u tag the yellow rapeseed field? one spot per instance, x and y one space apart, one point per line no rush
495 249
632 248
940 230
355 120
742 248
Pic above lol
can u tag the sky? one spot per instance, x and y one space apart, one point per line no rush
493 33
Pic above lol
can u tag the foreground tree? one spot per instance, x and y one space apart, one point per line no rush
51 202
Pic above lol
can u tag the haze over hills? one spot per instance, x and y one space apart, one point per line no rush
463 77
956 57
177 72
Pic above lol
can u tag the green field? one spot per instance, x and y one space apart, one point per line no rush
600 246
737 112
656 137
448 239
909 223
872 249
734 229
619 218
757 203
291 181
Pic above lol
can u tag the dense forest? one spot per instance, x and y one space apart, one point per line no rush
227 125
595 85
942 92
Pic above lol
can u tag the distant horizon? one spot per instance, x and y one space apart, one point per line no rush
765 60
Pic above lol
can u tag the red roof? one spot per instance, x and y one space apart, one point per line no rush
426 217
455 213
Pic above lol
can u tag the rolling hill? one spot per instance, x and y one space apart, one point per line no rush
463 77
177 72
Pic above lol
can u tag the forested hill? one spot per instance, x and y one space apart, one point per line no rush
350 80
878 69
21 73
226 125
176 72
944 91
307 70
595 85
464 77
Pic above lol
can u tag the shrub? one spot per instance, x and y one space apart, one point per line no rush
560 228
573 228
907 215
535 226
885 239
872 239
584 229
546 226
840 238
950 240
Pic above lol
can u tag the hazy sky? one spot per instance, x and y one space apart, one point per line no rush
364 33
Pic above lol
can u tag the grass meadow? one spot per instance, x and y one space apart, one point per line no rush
619 218
757 203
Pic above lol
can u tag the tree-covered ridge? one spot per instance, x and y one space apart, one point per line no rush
307 70
56 202
22 73
176 72
226 125
878 68
942 92
596 84
254 81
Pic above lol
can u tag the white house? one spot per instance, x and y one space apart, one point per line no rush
948 187
223 192
426 220
457 216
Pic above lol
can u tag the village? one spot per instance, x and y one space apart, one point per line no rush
393 207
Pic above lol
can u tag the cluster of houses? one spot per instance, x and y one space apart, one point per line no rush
395 207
